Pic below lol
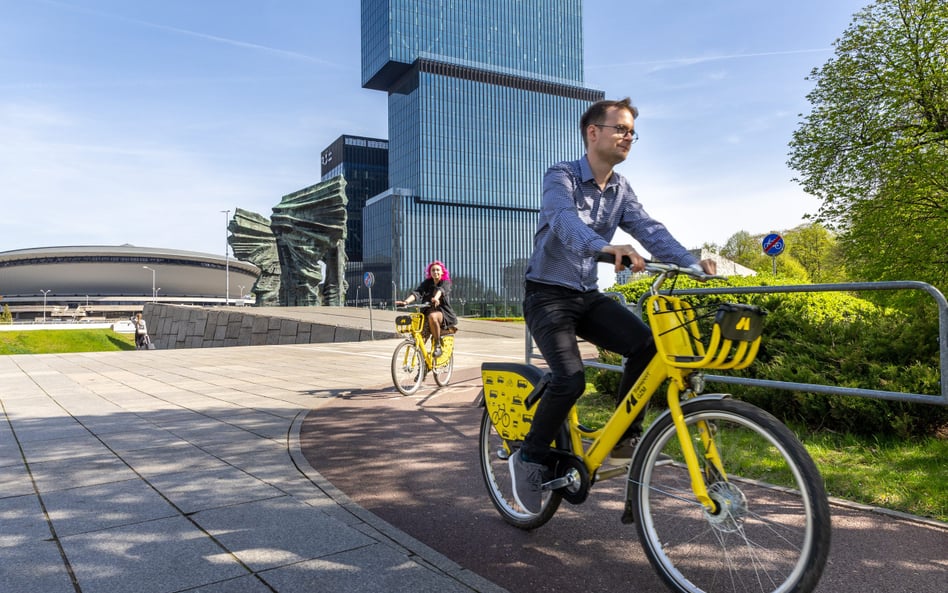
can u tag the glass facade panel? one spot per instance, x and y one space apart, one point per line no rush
483 97
363 162
539 39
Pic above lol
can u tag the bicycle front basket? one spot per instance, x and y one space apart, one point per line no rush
406 324
735 336
740 322
403 324
732 344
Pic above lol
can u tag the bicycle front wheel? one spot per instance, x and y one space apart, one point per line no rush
771 529
408 368
443 370
494 452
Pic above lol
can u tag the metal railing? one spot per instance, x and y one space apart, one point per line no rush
813 387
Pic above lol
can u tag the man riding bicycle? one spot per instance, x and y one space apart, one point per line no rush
584 203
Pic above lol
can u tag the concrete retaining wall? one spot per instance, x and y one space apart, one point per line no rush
177 326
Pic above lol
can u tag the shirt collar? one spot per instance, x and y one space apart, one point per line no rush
586 174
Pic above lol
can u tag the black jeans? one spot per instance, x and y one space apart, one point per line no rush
556 316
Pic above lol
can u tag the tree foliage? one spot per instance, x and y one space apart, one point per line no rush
812 254
874 147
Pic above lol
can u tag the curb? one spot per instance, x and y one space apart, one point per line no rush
384 531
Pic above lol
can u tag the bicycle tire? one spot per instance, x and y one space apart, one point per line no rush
496 475
773 534
442 373
408 368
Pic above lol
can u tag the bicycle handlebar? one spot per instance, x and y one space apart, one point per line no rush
415 306
660 268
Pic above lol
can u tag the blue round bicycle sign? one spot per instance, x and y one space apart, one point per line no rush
773 244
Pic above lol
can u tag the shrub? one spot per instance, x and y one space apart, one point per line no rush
832 339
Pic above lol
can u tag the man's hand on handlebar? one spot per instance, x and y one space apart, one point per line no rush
703 271
709 266
623 255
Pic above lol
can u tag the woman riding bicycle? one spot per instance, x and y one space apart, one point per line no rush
434 290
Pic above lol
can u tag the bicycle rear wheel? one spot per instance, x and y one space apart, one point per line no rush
494 452
772 530
443 371
408 368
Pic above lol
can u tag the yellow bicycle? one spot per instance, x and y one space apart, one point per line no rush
723 496
412 359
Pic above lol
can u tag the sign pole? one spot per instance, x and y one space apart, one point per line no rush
369 279
371 325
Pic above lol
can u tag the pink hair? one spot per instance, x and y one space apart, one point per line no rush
445 277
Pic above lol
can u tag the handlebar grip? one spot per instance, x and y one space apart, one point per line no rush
609 258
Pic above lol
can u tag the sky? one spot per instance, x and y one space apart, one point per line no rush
140 122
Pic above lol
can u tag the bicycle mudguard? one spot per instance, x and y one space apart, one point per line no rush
703 396
511 391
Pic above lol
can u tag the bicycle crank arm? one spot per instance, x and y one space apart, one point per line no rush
562 482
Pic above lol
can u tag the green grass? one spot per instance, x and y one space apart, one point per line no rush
51 341
898 474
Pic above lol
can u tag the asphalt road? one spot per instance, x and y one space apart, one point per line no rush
413 462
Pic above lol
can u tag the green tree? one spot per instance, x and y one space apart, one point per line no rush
747 250
817 251
874 148
6 316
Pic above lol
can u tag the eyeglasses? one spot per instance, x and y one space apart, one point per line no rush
622 131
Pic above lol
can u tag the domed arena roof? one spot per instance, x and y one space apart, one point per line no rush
121 274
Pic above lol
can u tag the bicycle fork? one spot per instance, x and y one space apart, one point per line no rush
706 435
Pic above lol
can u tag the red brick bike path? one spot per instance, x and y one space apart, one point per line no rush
412 461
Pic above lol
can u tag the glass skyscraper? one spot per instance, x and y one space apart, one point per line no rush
482 98
363 163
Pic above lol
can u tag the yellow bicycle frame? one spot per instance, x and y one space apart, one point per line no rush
413 324
733 344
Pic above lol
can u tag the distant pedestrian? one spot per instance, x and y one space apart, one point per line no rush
141 333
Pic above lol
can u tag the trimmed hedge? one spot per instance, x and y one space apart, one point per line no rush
831 339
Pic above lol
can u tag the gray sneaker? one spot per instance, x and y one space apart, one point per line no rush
527 479
625 448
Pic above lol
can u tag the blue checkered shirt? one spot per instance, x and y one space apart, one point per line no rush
577 220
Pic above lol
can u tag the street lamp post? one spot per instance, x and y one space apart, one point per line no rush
154 293
157 290
45 292
241 287
226 260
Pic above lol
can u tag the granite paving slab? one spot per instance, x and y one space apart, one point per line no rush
160 556
278 532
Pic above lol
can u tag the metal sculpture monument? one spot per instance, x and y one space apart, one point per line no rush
306 233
